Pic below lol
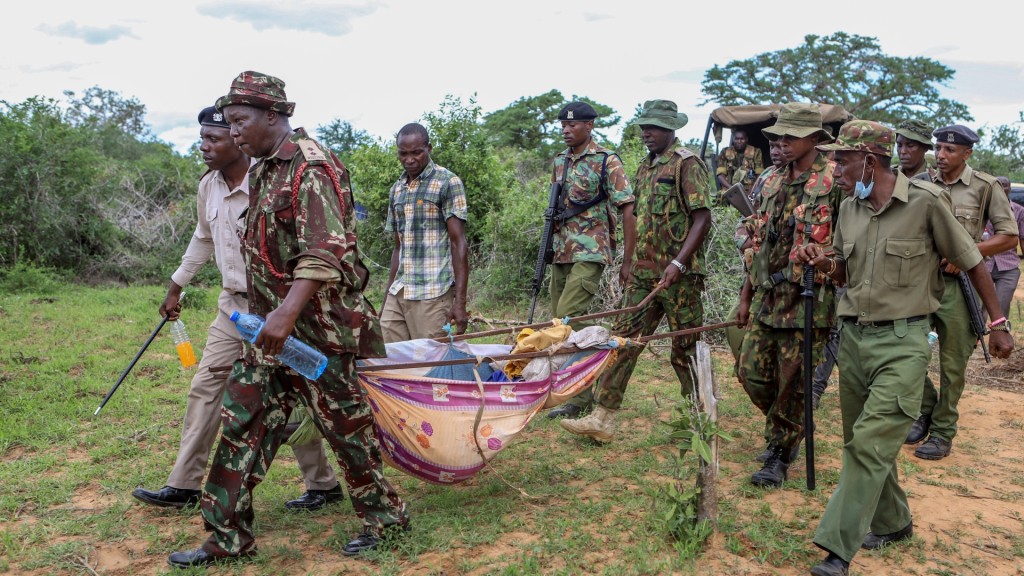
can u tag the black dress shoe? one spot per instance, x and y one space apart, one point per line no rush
568 411
169 496
919 429
315 499
832 565
934 448
200 557
874 542
370 540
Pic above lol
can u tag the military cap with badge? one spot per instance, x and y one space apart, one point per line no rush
956 134
577 111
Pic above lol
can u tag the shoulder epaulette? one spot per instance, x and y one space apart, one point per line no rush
931 187
311 151
986 177
684 152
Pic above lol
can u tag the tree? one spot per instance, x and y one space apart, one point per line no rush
341 137
1004 153
842 69
531 122
101 108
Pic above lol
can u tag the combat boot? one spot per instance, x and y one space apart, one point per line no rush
775 468
599 424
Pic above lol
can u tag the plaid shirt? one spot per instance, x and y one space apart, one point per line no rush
418 211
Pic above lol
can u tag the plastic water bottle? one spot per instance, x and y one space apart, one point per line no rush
933 339
296 354
183 344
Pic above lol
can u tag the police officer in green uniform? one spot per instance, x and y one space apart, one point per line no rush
798 206
976 198
594 186
891 233
673 189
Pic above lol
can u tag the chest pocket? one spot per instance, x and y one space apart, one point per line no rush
664 199
970 218
905 263
418 211
211 215
279 206
585 185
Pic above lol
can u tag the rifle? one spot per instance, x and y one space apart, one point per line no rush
736 195
977 319
808 295
545 255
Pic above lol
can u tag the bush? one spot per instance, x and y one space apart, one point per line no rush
25 278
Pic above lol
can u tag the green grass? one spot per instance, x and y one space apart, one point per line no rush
66 476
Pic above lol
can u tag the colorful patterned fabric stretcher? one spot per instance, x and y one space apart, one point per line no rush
444 430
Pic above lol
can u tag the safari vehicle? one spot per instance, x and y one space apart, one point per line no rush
753 118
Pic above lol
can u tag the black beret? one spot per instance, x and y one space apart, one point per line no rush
211 117
577 111
956 134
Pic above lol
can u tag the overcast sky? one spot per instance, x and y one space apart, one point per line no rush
382 64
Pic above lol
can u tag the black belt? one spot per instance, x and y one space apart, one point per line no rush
886 322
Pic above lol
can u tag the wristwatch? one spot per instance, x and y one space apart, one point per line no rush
680 265
1002 327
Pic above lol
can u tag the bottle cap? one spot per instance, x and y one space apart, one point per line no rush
234 316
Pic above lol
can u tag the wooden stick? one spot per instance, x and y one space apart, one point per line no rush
547 324
569 350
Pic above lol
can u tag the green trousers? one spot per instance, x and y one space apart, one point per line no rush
952 322
880 370
573 287
681 303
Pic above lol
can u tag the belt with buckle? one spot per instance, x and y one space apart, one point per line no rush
887 322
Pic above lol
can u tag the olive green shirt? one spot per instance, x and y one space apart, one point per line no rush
978 198
892 256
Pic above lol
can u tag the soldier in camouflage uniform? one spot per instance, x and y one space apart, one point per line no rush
913 141
305 277
673 217
594 185
798 205
739 162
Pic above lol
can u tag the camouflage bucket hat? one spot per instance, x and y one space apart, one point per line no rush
863 136
917 131
259 90
663 114
799 120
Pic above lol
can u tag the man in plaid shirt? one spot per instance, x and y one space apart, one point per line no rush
429 264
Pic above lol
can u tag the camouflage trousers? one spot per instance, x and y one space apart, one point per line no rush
681 302
257 404
771 369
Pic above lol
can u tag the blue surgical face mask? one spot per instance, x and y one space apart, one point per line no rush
860 189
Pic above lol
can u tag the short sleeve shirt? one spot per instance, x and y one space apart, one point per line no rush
418 211
892 255
669 187
978 198
588 236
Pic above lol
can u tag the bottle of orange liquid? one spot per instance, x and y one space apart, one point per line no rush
183 344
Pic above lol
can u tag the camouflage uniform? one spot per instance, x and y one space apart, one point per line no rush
743 167
305 232
669 188
771 356
584 244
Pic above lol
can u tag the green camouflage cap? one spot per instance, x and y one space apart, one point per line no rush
259 90
663 114
799 120
915 130
863 136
